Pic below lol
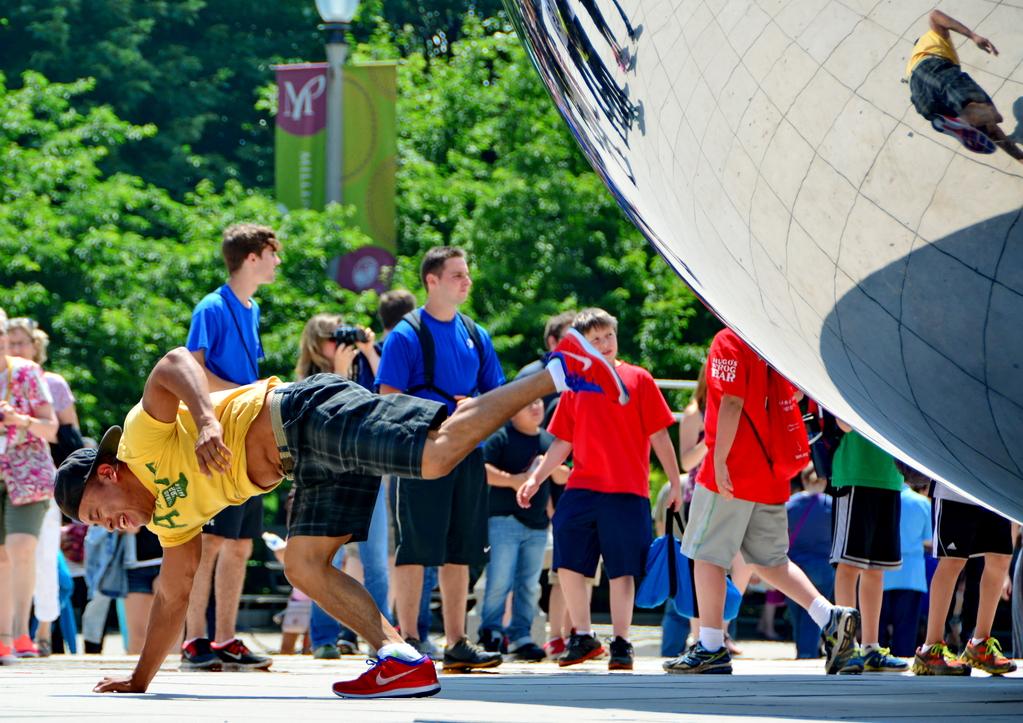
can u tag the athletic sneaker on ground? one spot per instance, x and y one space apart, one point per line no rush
840 638
586 369
466 655
235 656
327 652
45 648
424 647
938 660
880 660
855 664
988 657
392 678
554 647
347 647
972 138
579 649
621 654
493 641
530 653
698 660
7 655
25 648
198 655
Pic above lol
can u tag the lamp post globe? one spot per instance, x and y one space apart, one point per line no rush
337 11
336 15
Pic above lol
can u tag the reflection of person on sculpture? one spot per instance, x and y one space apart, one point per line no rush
943 94
185 455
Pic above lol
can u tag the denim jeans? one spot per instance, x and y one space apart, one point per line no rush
516 559
323 629
674 632
431 578
804 630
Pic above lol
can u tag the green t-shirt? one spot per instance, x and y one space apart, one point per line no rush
861 463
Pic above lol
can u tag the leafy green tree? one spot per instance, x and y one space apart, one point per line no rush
111 267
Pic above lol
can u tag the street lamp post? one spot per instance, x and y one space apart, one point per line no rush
336 14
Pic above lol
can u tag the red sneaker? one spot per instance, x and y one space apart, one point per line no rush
25 648
554 647
6 654
586 369
392 678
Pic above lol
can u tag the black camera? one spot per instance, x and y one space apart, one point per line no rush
349 335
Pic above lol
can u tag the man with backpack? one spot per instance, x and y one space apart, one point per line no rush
439 354
755 445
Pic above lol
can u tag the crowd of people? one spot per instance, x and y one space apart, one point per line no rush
414 449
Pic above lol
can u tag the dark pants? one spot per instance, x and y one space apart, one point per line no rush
902 610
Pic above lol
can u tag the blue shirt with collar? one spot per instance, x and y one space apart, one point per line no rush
228 332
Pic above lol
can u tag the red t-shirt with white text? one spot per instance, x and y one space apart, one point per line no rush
733 368
611 442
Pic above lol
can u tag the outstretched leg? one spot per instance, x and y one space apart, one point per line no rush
476 419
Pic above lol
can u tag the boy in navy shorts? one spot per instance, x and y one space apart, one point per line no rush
605 509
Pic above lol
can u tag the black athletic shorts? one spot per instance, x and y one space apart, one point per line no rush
238 522
963 530
938 87
336 440
445 520
865 529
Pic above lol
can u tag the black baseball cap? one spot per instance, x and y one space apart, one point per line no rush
76 470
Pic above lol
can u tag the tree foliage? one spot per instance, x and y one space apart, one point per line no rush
110 253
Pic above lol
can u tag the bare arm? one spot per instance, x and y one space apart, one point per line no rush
665 451
388 389
42 422
216 384
166 618
179 378
369 350
499 478
691 448
942 24
68 415
728 424
556 454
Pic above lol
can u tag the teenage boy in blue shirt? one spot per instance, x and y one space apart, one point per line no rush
443 522
224 339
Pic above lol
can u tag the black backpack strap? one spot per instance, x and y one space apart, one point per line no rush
414 319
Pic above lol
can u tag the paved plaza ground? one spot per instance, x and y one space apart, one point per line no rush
767 686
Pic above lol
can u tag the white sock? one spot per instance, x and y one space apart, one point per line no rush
977 641
401 651
820 610
556 366
712 639
870 647
585 632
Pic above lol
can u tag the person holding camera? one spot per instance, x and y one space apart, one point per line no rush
329 346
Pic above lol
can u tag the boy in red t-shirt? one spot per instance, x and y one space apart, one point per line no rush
739 505
605 509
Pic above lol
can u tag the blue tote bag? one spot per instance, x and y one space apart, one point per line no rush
669 576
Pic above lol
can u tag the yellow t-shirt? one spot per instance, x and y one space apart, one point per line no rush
930 43
162 456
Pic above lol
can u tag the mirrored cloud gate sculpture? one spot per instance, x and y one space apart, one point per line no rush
771 153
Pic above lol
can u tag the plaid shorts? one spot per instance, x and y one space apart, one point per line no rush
336 440
938 87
